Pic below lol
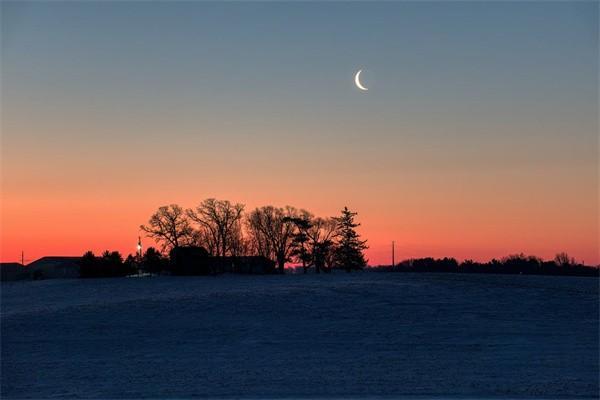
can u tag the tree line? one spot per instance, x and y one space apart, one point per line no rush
112 264
281 234
562 264
289 235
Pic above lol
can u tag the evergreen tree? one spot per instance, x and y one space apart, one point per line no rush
349 252
131 265
300 241
153 262
88 265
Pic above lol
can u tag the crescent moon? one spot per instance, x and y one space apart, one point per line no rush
357 81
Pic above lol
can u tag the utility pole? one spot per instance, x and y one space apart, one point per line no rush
23 260
393 249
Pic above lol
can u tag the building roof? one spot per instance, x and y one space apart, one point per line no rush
11 265
54 260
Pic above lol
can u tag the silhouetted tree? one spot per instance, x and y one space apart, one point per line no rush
300 240
110 264
563 260
274 226
432 265
520 263
112 257
349 252
170 227
88 265
321 234
131 263
239 245
153 261
512 264
258 240
220 224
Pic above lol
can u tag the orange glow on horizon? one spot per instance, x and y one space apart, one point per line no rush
59 227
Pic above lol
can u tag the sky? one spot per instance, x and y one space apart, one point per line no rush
477 138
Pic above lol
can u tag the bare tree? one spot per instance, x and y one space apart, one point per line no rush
259 242
564 260
170 227
273 229
239 245
206 240
219 222
321 235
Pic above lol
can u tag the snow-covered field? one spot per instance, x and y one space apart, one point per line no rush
339 335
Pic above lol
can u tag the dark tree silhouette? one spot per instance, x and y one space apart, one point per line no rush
239 245
258 240
112 257
88 265
301 239
170 227
349 252
321 235
153 261
110 264
220 225
274 229
512 264
564 260
132 263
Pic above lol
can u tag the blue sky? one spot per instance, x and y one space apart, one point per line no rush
454 87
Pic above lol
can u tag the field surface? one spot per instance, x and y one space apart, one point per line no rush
341 335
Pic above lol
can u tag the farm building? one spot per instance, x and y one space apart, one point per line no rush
13 272
54 267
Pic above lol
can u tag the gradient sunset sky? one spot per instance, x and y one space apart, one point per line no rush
478 136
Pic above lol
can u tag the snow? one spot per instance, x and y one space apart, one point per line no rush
386 335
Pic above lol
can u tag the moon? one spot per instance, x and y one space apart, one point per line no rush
357 81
